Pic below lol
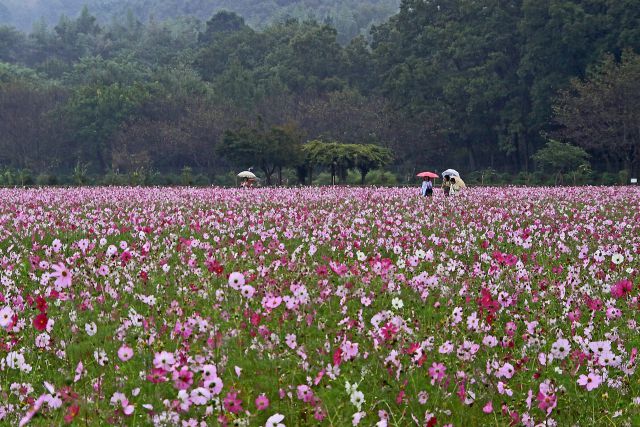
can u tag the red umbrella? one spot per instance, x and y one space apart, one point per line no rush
428 175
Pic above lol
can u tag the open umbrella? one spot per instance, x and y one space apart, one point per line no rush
247 174
450 172
427 175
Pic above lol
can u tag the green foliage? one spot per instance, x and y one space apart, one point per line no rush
80 173
270 150
558 158
187 176
349 17
601 113
381 178
13 73
95 112
340 158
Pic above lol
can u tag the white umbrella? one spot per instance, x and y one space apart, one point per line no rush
450 172
246 174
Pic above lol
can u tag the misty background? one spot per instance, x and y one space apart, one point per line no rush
191 92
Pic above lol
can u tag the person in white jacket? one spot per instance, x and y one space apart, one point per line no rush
427 187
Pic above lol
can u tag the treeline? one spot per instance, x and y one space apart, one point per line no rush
350 17
480 86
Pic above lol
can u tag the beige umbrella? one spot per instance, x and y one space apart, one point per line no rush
247 174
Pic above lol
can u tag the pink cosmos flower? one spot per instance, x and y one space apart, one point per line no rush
6 316
613 313
103 270
157 375
290 340
304 393
262 402
436 372
236 280
506 371
511 329
209 372
349 350
271 302
247 291
547 399
232 402
125 353
120 400
200 396
488 408
590 382
622 288
183 378
62 275
214 385
164 360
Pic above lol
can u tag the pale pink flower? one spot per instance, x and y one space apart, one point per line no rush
125 353
62 275
236 280
590 382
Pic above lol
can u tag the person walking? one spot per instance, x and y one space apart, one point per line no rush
446 185
427 187
454 187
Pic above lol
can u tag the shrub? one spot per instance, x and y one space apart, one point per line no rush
381 178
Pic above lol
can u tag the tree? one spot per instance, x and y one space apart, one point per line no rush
12 44
95 113
369 157
269 150
221 23
602 113
339 158
559 158
32 136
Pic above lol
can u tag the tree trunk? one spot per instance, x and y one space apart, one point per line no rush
363 175
279 175
472 160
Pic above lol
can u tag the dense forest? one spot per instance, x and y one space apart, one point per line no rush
349 17
526 89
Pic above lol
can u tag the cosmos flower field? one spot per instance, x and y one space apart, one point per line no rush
319 306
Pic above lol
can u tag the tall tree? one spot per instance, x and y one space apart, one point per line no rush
267 149
602 112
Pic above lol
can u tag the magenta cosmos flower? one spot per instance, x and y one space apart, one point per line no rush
262 402
232 403
183 378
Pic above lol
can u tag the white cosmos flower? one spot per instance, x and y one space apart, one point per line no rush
274 421
397 303
617 258
14 360
6 316
91 328
357 399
